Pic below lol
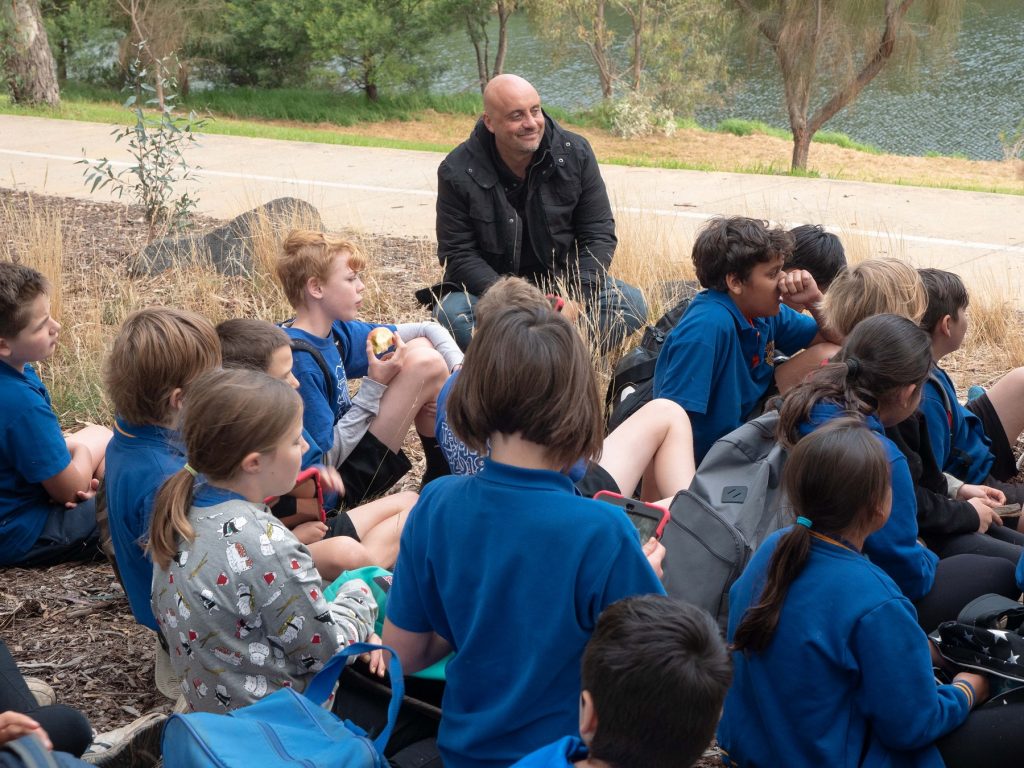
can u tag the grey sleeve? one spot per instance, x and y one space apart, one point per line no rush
436 334
351 427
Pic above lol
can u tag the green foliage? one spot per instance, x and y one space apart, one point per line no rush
262 42
738 127
84 39
377 44
638 115
157 144
1012 142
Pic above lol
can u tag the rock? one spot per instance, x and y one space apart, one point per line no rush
227 248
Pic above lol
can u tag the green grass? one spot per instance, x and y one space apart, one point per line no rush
738 127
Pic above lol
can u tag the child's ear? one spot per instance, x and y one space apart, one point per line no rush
176 399
313 288
588 717
734 284
5 348
252 462
943 325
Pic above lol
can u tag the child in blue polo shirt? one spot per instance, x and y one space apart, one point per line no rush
973 443
158 353
47 481
509 567
719 361
653 703
320 276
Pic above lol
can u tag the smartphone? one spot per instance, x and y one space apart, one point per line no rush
649 519
1008 510
307 474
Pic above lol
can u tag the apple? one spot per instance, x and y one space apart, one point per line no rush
382 341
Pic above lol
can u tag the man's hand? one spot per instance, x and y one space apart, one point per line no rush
14 725
383 371
799 291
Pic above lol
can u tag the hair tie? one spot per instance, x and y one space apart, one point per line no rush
852 367
806 523
190 470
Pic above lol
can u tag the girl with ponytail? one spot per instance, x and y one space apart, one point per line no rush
235 595
877 377
830 665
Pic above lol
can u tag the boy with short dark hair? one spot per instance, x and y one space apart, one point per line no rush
47 481
819 252
157 354
719 361
649 704
972 443
320 276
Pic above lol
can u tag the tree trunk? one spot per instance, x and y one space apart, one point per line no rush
801 148
478 36
505 10
31 73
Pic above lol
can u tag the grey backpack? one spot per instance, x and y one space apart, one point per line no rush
733 503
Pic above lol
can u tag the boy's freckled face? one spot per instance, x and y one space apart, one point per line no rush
342 290
37 340
280 367
759 293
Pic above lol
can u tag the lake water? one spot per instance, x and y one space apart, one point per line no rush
956 106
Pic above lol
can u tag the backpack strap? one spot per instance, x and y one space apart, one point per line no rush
31 752
301 345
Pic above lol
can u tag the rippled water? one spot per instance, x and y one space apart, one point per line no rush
956 106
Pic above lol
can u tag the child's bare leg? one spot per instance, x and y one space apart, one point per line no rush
338 554
411 396
655 444
795 370
94 437
1007 397
368 516
382 540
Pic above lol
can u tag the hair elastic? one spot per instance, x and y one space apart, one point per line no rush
191 471
806 523
852 367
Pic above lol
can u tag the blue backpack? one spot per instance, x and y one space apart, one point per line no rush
286 728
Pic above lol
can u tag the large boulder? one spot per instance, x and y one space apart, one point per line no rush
229 248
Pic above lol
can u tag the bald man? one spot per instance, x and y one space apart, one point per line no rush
521 196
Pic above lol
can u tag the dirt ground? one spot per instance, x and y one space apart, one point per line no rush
71 625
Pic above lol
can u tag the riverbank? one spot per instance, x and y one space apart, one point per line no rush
440 123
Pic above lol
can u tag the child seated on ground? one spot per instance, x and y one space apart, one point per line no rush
483 556
819 252
973 443
362 435
831 667
654 445
719 361
236 595
359 536
649 704
47 481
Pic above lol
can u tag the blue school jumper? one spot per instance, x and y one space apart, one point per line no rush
140 457
325 402
894 548
846 679
958 439
32 449
564 753
513 569
717 364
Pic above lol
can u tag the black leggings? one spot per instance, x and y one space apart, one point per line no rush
67 728
1000 541
960 579
992 736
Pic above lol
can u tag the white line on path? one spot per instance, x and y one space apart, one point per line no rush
887 236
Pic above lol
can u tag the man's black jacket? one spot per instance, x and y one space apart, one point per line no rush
569 219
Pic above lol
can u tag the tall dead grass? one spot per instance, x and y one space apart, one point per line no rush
92 299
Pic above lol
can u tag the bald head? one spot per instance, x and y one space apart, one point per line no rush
512 113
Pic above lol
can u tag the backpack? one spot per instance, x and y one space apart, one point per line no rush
29 752
733 503
285 728
632 381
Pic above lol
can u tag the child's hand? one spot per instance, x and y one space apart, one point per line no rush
654 551
993 495
798 290
978 682
14 725
986 514
330 479
311 532
375 659
383 371
81 496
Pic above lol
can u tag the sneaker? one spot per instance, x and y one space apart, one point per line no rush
42 692
136 745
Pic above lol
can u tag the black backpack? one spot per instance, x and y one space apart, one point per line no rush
632 380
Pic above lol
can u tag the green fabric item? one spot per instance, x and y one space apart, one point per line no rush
379 581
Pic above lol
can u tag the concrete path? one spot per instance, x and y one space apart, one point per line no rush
979 235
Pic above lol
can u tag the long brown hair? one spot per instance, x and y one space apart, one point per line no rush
228 415
883 354
836 502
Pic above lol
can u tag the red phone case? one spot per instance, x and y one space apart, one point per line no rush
624 502
305 475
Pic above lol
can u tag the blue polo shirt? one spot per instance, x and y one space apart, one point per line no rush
717 364
344 352
958 438
846 678
512 569
895 548
32 449
564 753
140 457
